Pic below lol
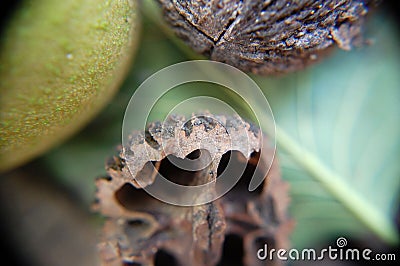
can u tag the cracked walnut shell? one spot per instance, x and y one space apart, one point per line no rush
142 230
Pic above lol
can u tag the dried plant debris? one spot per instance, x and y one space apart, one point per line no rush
267 36
142 230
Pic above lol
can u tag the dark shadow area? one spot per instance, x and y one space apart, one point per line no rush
7 10
238 163
233 252
164 258
177 170
132 198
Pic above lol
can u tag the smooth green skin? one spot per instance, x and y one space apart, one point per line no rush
60 62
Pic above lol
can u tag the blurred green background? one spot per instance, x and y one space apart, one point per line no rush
337 136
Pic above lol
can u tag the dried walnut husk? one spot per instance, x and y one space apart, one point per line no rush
266 36
141 230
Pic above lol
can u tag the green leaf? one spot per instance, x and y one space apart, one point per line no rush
338 140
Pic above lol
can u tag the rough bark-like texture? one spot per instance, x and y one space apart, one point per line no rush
143 230
267 36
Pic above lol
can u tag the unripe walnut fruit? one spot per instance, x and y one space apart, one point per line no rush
60 62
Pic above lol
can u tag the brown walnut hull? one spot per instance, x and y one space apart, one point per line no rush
266 36
142 230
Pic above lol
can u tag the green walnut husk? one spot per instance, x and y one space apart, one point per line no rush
60 62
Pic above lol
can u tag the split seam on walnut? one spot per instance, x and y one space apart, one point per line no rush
264 36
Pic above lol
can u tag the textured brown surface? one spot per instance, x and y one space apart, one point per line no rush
267 36
141 229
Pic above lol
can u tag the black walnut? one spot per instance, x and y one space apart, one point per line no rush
267 36
141 230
